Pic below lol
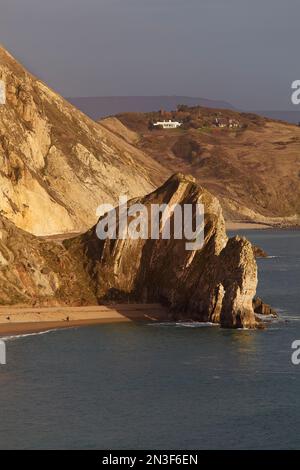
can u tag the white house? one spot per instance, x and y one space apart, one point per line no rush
219 122
168 124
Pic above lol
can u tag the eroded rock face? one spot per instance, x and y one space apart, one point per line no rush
56 164
261 308
214 284
37 272
259 252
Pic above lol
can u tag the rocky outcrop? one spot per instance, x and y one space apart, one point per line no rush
56 167
56 164
259 252
38 272
216 283
261 308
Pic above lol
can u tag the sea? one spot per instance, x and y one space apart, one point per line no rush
163 386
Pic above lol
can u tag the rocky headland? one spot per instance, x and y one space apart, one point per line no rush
214 284
56 167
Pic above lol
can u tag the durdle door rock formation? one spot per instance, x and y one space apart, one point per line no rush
56 164
214 284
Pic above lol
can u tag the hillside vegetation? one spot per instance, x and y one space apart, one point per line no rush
253 166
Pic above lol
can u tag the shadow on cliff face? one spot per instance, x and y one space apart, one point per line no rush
137 311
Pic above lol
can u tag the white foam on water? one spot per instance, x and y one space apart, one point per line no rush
267 318
195 324
191 324
24 335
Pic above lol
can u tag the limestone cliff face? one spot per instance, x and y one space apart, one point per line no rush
57 165
37 272
216 283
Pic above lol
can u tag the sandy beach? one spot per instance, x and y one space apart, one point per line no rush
246 226
18 320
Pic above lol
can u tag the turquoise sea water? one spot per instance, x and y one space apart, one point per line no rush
162 386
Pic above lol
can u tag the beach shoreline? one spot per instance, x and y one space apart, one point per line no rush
231 226
25 320
15 329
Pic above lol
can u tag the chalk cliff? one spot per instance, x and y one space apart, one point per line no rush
56 164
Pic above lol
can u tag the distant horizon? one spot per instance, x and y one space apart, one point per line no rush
295 110
232 105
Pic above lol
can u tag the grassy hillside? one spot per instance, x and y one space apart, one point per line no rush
252 163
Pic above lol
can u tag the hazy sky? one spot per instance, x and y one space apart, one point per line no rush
242 51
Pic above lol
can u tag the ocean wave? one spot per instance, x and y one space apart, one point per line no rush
195 324
191 324
24 335
267 318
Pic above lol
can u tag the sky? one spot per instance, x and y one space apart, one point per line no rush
242 51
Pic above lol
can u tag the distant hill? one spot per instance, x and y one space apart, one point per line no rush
102 106
251 163
98 107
